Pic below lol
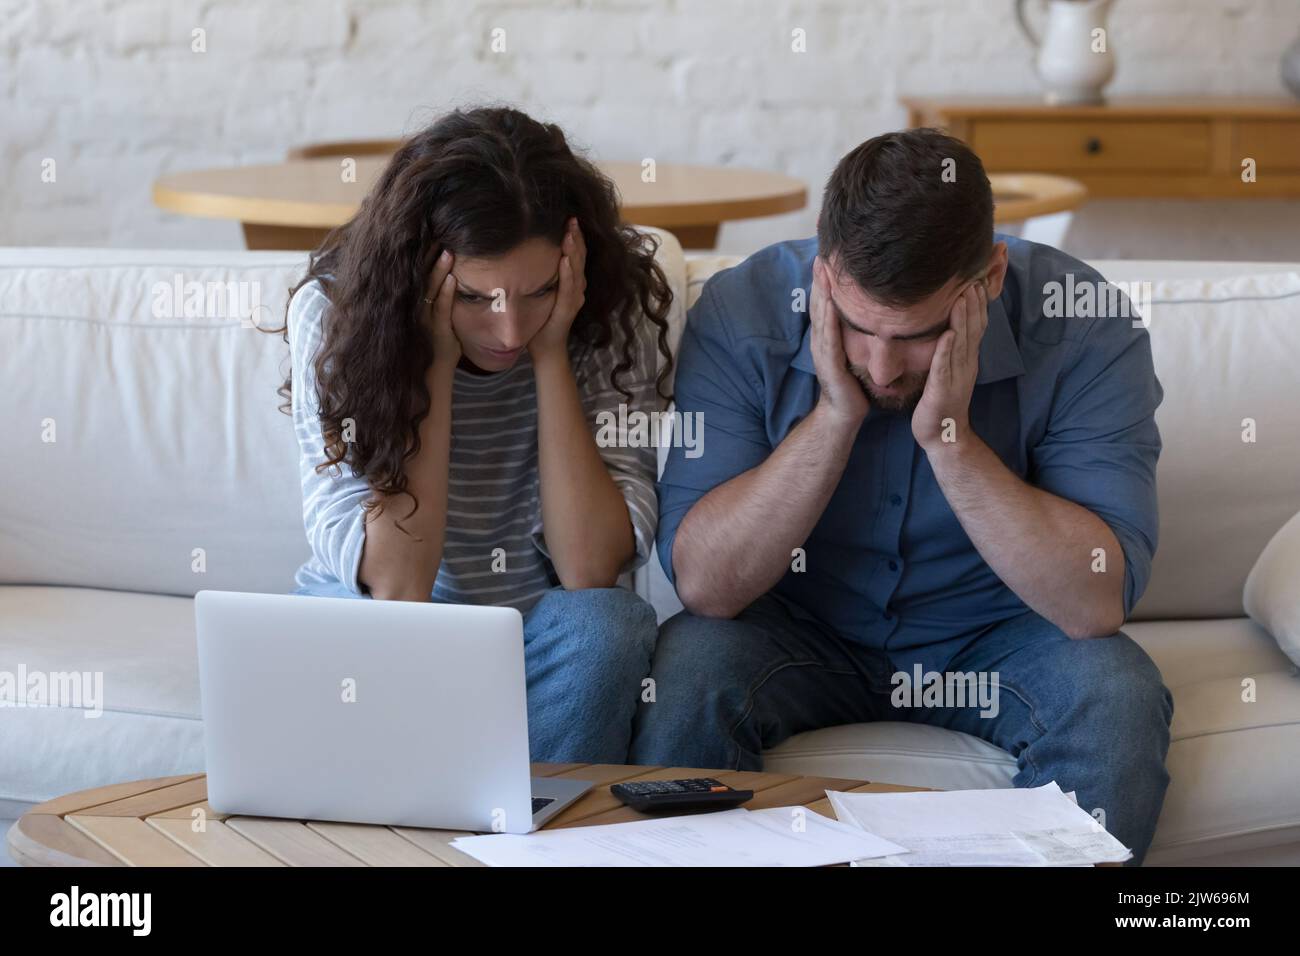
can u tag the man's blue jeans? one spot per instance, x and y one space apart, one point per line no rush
586 654
1093 715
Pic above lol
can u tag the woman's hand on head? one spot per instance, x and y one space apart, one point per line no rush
438 300
553 337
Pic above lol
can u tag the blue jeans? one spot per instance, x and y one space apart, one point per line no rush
1093 715
585 655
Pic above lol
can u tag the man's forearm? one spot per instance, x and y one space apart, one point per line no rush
1040 545
403 565
735 543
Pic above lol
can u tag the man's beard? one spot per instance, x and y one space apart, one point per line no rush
910 388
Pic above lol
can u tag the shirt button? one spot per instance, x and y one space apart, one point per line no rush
895 500
893 565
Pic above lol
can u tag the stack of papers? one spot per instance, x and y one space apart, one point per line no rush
1039 826
1019 827
781 836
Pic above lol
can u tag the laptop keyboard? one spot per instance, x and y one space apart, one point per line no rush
541 802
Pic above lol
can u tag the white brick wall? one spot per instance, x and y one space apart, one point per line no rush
112 92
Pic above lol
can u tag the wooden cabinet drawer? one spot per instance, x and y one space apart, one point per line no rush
1049 145
1273 144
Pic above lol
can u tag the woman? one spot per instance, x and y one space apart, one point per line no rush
452 346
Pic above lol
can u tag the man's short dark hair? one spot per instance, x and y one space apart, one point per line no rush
905 212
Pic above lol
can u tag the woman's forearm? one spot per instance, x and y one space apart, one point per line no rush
396 565
584 516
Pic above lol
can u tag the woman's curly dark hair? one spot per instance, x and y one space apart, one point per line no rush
478 182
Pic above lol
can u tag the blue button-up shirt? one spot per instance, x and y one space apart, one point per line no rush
1067 403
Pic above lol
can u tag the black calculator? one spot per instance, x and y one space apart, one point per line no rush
697 793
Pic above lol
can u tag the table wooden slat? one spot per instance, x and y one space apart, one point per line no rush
72 802
375 845
603 774
152 802
216 845
823 806
437 843
186 812
555 769
43 839
133 841
799 792
292 842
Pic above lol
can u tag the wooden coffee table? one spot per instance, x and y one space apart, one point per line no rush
153 823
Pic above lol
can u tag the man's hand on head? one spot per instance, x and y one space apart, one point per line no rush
942 416
841 392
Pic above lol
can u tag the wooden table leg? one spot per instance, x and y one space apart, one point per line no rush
703 236
296 238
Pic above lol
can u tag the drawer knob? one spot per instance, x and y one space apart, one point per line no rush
1092 146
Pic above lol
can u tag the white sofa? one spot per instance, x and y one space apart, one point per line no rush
172 470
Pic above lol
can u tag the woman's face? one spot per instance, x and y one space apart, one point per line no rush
502 303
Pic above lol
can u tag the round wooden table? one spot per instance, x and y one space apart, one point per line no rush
292 205
168 822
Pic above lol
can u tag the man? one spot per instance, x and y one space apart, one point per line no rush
918 463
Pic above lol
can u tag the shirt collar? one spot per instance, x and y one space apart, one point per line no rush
999 354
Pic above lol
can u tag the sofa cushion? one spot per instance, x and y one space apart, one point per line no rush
1224 351
170 467
142 648
1272 593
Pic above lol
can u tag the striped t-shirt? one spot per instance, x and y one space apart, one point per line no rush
494 550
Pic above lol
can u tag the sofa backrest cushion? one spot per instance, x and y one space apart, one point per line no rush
151 455
146 451
1226 351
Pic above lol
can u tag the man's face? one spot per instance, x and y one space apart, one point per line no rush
890 350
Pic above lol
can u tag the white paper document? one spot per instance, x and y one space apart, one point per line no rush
779 836
1039 826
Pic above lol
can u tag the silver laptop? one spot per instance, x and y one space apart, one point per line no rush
390 712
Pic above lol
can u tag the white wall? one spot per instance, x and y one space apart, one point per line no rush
111 90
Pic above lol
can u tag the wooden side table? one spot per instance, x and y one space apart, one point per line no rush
1186 148
152 823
